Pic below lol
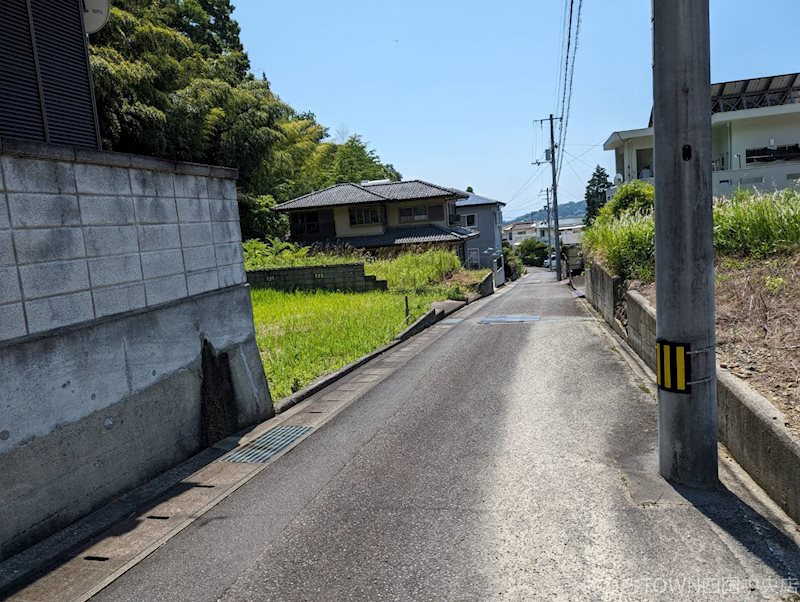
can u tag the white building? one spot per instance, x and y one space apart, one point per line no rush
519 232
755 129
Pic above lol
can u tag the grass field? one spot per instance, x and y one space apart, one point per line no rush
303 335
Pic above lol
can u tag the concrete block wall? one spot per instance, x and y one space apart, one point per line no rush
85 235
120 276
344 277
603 291
641 327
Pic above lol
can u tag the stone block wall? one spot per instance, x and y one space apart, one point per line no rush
344 277
603 290
120 276
641 328
85 235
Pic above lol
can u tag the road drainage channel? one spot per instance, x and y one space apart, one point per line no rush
124 545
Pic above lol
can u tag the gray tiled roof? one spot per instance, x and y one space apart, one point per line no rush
416 235
413 189
339 194
355 194
474 200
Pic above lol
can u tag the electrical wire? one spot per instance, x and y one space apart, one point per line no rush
566 112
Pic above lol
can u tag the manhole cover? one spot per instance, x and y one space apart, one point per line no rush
263 447
508 319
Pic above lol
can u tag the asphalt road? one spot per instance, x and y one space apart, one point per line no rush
504 461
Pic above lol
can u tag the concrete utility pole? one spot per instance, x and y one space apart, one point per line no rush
555 198
687 396
552 160
549 231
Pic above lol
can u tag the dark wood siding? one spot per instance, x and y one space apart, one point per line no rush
20 104
46 93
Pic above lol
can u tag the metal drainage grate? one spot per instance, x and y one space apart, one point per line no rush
451 321
263 447
508 319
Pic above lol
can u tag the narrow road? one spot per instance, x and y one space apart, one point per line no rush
502 461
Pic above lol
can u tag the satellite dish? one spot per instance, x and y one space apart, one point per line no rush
618 179
95 15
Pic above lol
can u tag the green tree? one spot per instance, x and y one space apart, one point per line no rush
596 193
631 198
469 189
355 162
533 252
172 80
258 220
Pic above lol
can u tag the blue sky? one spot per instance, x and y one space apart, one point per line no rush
447 90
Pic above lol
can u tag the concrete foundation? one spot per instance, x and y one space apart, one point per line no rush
91 411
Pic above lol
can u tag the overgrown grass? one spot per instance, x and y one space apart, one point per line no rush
625 245
260 255
749 224
757 224
414 271
303 335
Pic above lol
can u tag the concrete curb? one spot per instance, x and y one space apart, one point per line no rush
753 430
755 433
428 319
317 386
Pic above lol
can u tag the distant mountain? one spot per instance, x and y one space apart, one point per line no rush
571 209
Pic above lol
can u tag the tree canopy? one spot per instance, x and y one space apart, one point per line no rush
172 80
596 193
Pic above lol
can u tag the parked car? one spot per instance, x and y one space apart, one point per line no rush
550 260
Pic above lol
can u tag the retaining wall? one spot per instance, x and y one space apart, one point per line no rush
126 331
750 427
603 291
343 277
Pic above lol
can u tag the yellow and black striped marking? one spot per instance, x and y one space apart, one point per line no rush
674 367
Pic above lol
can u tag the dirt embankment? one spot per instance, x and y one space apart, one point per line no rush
758 326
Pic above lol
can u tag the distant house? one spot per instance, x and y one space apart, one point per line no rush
379 215
755 137
518 232
485 216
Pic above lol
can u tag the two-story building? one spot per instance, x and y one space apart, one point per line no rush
755 137
485 216
379 215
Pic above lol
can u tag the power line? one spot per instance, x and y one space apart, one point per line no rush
569 75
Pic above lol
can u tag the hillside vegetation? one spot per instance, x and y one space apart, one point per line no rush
748 224
173 80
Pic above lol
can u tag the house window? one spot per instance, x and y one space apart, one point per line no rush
790 152
361 216
422 213
470 220
305 224
312 224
